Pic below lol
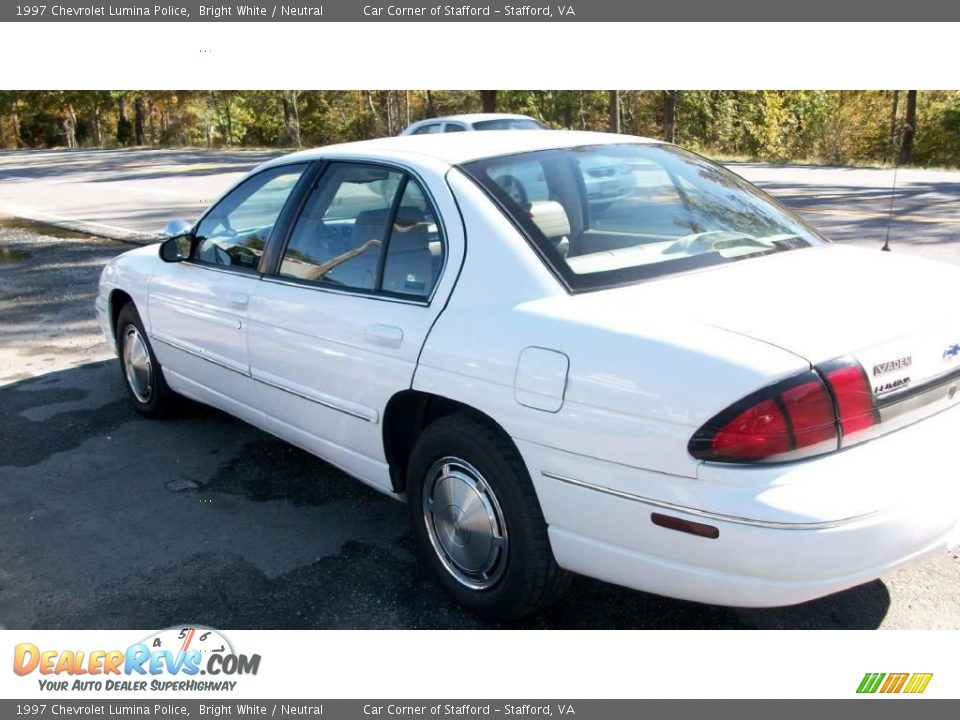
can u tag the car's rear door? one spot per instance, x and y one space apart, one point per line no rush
198 308
337 327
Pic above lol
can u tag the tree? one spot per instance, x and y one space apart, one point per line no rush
614 125
124 126
291 117
893 119
670 115
488 98
909 128
139 112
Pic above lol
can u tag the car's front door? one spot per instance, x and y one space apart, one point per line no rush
338 327
198 308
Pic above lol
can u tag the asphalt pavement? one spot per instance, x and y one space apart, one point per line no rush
108 520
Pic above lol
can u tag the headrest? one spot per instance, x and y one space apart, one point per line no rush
550 218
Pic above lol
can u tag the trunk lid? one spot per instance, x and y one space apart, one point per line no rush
898 315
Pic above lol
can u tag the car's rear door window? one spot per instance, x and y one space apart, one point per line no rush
366 228
415 250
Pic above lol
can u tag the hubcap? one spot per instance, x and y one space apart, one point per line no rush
465 523
137 365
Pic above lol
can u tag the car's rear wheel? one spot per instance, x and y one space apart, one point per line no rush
142 375
477 519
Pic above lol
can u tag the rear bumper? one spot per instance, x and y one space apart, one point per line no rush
786 533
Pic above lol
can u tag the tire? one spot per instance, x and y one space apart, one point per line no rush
141 373
492 554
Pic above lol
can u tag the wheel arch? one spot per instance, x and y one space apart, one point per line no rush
118 299
406 416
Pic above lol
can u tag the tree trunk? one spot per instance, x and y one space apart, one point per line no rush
893 120
430 110
390 110
17 137
152 134
69 122
489 100
614 111
373 112
138 113
124 127
909 128
229 114
97 127
291 117
670 115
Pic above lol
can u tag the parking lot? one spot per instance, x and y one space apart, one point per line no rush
108 520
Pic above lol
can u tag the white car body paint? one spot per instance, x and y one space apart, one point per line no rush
600 391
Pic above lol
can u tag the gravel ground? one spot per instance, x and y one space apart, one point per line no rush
108 520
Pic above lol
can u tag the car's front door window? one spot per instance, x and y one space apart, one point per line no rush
235 231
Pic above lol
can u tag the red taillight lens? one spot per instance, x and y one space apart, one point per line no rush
780 422
755 433
805 415
811 413
853 395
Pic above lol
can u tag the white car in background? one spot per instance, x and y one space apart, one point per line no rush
605 179
686 390
473 121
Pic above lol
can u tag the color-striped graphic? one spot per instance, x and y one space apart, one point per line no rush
913 683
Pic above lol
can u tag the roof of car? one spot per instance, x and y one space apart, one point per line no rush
474 117
457 148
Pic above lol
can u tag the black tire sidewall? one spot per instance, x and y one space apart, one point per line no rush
158 402
522 517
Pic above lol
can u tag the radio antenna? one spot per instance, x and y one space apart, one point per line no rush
893 194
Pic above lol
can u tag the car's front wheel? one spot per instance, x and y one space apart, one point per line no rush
477 519
141 372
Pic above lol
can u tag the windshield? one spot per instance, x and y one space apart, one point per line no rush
608 215
508 124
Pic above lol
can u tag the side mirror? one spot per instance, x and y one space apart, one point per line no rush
176 249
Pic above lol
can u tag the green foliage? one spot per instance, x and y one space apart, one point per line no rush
839 127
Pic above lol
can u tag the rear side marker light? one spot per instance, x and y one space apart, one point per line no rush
812 413
693 528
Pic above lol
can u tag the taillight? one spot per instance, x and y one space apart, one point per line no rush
853 396
809 414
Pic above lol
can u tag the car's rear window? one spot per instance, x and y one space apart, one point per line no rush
607 215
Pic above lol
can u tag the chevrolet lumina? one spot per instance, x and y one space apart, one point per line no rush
685 390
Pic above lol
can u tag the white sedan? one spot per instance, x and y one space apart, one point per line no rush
686 390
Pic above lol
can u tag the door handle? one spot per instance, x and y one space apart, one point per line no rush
385 335
240 299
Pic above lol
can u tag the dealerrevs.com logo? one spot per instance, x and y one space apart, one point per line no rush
172 659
